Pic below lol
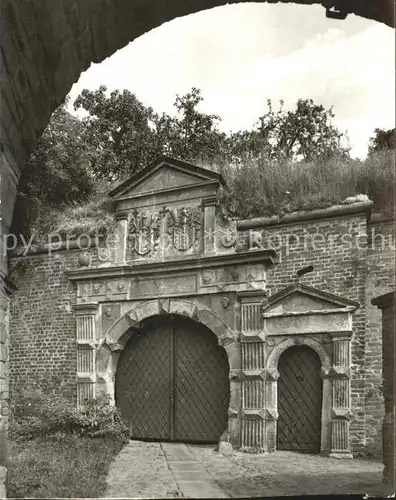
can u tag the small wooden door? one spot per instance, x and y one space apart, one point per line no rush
299 400
172 382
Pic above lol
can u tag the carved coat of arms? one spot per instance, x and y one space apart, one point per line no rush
184 227
144 231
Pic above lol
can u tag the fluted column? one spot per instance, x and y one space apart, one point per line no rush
341 396
253 413
122 230
86 352
209 206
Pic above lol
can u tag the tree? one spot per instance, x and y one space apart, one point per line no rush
56 173
305 133
383 140
195 135
120 132
124 135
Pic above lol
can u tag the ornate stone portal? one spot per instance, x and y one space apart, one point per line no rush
173 254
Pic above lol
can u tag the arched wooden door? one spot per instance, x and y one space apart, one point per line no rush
299 400
172 382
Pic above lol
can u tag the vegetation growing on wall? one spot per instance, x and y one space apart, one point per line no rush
290 160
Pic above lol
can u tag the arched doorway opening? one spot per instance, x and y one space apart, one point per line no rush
300 395
172 382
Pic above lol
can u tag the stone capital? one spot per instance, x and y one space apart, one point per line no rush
233 413
121 216
254 414
341 413
340 372
253 336
254 374
271 374
210 201
341 335
86 308
235 375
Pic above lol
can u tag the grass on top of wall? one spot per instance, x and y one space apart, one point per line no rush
257 188
260 189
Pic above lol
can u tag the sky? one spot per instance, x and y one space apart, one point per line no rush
243 54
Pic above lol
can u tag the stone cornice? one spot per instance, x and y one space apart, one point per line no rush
334 310
157 192
364 207
174 266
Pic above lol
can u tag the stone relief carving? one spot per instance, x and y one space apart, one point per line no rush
143 231
102 288
228 232
184 226
225 302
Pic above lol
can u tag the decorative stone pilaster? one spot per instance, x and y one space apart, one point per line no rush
122 232
209 205
341 399
253 412
86 352
271 414
3 386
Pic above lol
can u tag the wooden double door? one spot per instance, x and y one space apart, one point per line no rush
172 382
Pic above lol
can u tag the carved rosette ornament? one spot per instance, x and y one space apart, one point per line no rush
184 227
143 231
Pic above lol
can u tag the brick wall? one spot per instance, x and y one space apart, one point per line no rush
42 323
380 280
43 326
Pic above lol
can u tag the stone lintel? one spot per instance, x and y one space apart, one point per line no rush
308 323
312 312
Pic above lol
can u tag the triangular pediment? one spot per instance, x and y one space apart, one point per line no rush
165 174
300 298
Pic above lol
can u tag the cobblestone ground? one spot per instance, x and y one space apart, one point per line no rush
147 470
286 473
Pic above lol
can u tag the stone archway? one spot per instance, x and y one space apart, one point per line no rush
272 370
121 332
172 382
